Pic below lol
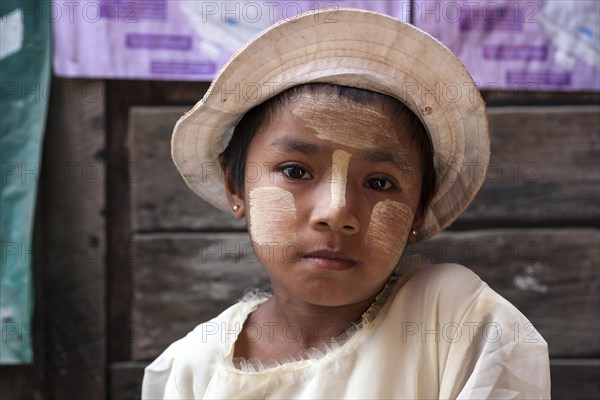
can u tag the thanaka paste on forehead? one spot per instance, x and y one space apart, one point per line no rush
388 230
338 120
339 176
271 210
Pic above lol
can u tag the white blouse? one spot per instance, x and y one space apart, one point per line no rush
440 333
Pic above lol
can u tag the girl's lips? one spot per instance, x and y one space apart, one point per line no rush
331 261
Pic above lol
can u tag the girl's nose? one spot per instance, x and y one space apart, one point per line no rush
339 218
336 220
333 209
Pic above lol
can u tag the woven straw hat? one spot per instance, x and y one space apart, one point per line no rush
354 48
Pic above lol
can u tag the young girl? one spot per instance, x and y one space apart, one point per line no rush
364 135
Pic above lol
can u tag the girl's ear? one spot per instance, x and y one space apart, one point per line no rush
236 199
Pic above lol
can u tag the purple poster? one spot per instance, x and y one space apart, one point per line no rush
170 39
520 45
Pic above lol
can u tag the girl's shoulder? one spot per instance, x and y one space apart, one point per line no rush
444 274
442 282
453 292
193 357
452 296
218 331
482 342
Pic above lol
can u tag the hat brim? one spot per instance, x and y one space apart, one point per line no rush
354 48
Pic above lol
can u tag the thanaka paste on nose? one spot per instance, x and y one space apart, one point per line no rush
388 229
339 176
272 210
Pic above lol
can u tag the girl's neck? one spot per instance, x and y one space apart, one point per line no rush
280 330
312 324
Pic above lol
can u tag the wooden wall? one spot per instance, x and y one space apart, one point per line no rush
169 261
532 233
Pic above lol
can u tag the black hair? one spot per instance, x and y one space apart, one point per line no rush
233 158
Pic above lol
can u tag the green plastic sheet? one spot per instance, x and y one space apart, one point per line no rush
25 33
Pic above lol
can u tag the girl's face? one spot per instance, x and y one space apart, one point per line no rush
331 191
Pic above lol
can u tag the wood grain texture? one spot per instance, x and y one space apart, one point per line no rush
575 379
537 98
160 198
181 280
73 242
178 93
544 172
22 382
544 168
120 97
552 276
126 380
188 92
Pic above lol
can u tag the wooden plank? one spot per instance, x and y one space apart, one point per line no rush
575 379
21 382
187 93
544 168
181 280
552 276
177 93
73 234
126 380
120 96
537 98
160 198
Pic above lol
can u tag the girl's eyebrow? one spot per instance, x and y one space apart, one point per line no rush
398 159
290 143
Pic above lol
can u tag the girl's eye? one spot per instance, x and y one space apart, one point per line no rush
296 172
380 184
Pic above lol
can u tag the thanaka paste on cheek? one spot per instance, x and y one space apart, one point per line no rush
339 176
388 229
339 121
272 210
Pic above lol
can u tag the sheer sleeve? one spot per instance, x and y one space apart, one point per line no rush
499 354
159 379
180 369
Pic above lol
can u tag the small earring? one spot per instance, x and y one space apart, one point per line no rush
414 232
236 208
